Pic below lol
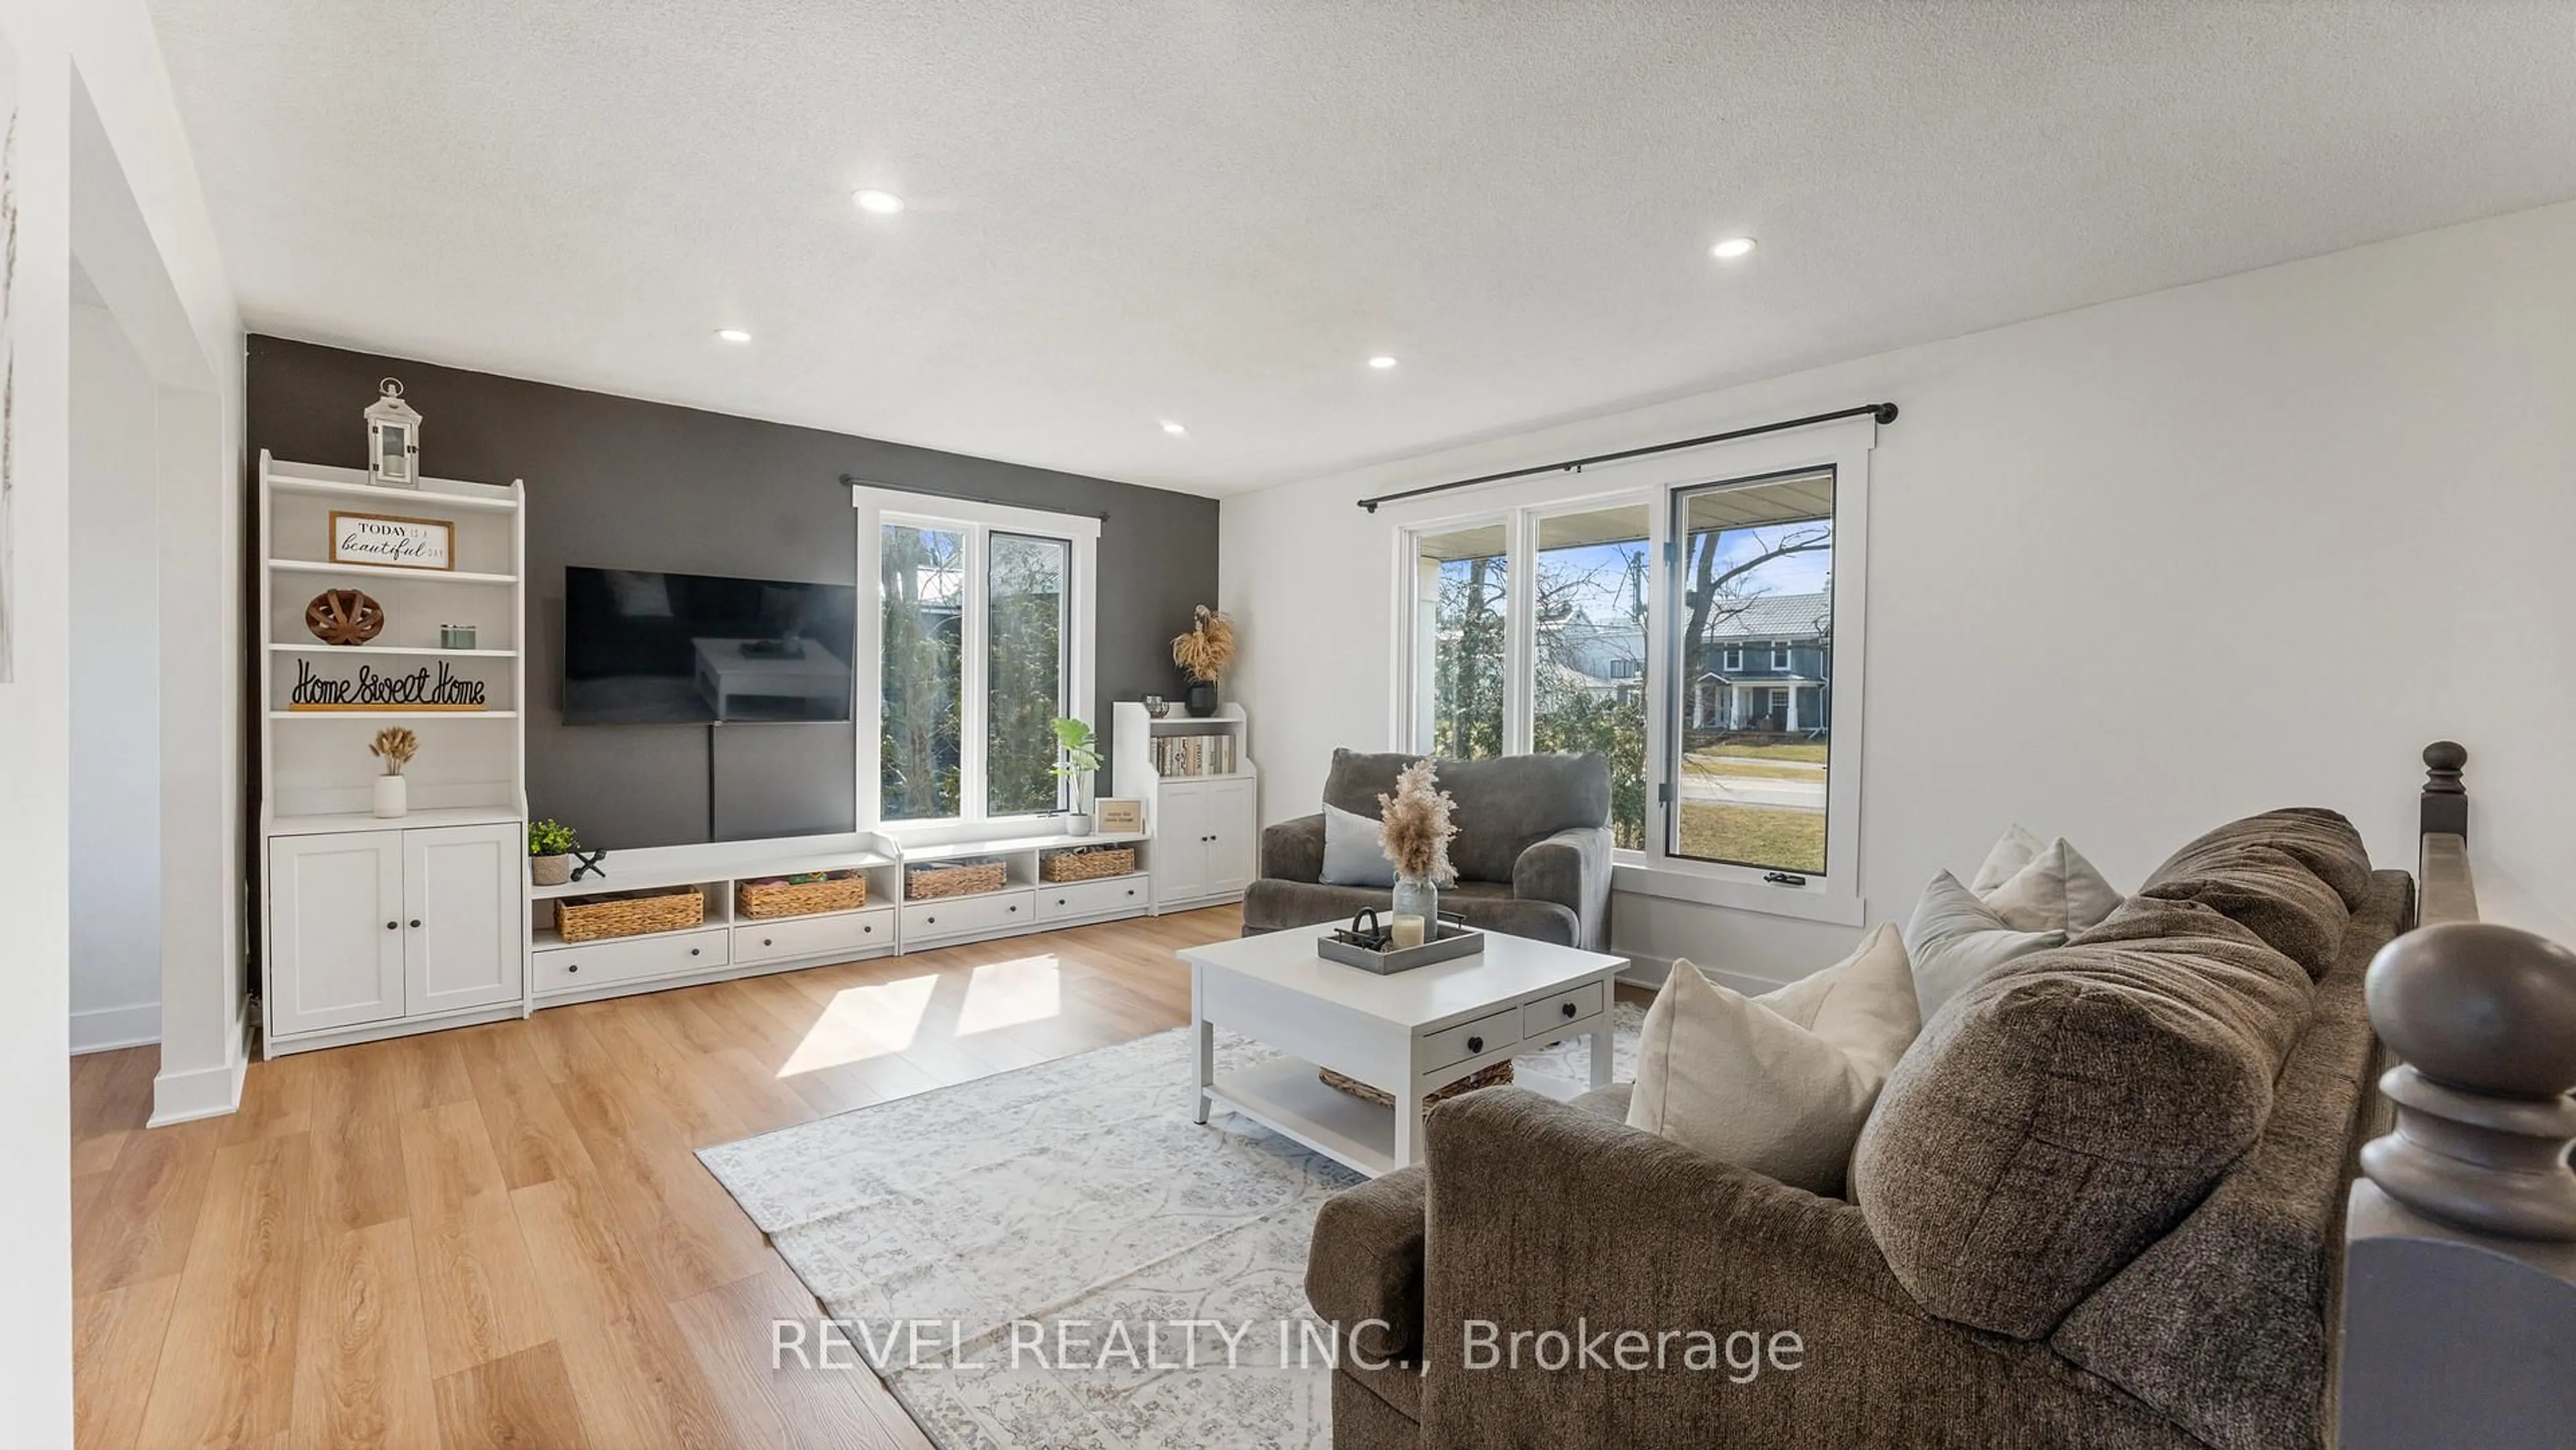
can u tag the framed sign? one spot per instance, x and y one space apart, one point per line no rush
394 543
1120 817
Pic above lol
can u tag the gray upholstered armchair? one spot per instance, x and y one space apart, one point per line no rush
1533 848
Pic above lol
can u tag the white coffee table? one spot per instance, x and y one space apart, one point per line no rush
1408 1034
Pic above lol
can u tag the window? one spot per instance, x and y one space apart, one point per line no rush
1679 616
982 638
1460 586
1750 781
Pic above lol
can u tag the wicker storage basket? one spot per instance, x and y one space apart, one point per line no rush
633 913
1498 1075
931 880
778 896
1086 863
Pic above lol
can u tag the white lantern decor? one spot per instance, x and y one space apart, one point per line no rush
393 439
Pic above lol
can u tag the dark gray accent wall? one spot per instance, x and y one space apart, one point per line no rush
618 483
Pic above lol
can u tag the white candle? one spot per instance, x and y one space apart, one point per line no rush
1408 931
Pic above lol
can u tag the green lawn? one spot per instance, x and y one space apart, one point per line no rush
1755 835
1708 763
1808 750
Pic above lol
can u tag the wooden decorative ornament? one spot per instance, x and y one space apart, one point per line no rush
344 616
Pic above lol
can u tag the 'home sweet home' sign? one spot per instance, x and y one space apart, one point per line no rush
422 689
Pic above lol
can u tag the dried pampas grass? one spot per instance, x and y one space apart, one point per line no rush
395 746
1414 825
1208 647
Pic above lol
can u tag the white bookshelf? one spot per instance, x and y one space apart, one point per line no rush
373 927
1206 825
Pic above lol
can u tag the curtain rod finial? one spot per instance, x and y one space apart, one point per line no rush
1886 413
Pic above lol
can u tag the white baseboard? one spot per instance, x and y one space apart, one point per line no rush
1650 972
103 1029
207 1092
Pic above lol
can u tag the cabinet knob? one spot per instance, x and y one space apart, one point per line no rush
415 923
1568 1009
1475 1044
693 951
393 926
930 921
1060 901
574 967
1015 908
867 930
764 941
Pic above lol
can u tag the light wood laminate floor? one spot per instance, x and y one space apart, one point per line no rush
497 1236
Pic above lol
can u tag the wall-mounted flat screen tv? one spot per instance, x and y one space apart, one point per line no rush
666 649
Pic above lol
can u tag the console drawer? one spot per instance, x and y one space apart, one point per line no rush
1550 1018
778 941
956 916
1453 1045
1089 898
569 969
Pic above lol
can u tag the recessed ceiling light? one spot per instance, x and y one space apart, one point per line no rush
1732 248
1175 429
883 203
1381 362
733 334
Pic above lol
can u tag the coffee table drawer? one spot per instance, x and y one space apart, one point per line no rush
1087 898
591 964
777 941
1548 1018
1453 1045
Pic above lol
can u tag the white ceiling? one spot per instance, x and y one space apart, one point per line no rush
1215 210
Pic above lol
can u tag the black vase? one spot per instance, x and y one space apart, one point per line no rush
1200 698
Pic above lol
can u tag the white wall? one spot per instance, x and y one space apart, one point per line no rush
2134 570
115 692
93 64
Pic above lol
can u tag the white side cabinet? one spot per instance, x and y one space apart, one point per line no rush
372 927
1206 841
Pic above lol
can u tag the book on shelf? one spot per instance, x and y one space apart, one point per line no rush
1185 755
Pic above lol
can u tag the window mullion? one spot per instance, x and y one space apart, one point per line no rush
1520 629
973 640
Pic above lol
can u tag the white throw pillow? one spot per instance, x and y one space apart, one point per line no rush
1354 853
1779 1083
2017 849
2057 889
1954 940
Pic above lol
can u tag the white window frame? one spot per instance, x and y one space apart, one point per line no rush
1844 446
1731 657
1779 654
977 522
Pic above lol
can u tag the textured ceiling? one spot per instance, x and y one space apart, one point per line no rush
1132 210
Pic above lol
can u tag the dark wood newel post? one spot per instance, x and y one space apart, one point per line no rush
2446 801
2459 1306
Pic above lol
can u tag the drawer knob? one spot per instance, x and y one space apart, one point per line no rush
415 923
393 926
1567 1009
930 921
574 967
693 951
867 930
1475 1044
1015 908
764 941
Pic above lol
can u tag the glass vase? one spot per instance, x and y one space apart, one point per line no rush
1417 911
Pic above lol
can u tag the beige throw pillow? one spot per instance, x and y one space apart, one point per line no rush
2017 849
2056 889
1953 940
1779 1083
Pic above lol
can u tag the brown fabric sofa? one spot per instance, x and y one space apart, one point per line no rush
2098 1204
1533 848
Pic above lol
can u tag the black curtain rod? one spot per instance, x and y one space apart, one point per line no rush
852 481
1883 412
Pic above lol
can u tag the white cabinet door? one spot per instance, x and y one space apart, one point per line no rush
464 944
1234 836
335 931
1180 842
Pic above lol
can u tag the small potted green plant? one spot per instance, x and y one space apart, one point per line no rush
550 847
1077 756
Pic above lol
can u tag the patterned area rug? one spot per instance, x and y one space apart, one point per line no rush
1081 1267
